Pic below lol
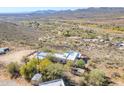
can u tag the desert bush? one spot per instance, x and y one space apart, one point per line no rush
118 28
83 80
53 71
67 34
50 57
122 76
96 77
92 64
48 50
13 69
68 65
80 63
30 69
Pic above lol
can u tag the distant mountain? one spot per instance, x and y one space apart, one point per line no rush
44 12
81 13
92 12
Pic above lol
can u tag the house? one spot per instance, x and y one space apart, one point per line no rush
57 82
36 79
60 57
3 50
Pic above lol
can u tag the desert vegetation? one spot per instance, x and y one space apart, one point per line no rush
95 32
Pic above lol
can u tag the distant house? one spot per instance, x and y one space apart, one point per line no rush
57 82
120 44
60 57
3 50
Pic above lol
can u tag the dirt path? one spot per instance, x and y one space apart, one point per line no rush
15 56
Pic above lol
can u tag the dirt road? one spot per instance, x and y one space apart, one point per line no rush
15 56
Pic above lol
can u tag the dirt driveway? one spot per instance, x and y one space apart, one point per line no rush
15 56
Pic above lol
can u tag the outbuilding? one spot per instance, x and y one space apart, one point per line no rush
36 79
56 82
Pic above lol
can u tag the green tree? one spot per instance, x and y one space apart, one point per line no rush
43 64
80 63
30 69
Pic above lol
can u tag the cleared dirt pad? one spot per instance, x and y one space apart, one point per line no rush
15 56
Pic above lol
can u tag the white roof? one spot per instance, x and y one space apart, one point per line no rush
41 55
44 54
71 55
57 82
37 76
60 56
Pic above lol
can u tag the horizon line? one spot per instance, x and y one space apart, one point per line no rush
13 10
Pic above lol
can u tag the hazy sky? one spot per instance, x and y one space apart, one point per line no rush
29 9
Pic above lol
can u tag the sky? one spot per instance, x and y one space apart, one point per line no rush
30 9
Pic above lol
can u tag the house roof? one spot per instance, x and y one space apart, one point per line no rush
41 55
60 56
44 54
71 55
57 82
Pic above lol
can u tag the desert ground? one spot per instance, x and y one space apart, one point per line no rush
94 32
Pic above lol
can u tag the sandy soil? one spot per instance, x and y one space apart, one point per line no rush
15 56
12 56
5 79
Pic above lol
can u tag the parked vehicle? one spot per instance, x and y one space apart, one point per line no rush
4 50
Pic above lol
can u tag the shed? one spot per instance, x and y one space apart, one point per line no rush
36 79
57 82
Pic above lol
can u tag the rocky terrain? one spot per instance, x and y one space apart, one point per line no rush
94 32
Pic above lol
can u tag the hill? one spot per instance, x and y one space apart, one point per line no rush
17 33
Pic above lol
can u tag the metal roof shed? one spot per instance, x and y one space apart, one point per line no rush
57 82
36 79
